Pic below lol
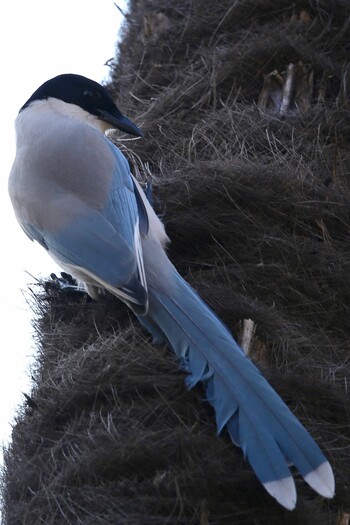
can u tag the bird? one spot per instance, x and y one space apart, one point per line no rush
73 192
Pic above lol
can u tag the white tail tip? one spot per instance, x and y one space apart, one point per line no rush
283 490
322 480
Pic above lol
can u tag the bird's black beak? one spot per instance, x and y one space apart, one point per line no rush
118 120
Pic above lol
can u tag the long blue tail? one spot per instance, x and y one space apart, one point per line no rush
255 416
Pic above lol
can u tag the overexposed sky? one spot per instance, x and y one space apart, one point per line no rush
39 39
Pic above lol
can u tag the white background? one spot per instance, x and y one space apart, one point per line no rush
39 39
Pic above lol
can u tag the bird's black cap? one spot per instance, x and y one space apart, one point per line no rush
89 95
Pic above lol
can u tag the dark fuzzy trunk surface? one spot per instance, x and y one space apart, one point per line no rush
258 211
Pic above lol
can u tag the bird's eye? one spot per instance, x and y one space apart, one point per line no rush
91 96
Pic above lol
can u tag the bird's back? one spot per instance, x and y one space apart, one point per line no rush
62 165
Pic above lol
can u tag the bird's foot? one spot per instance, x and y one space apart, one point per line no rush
65 283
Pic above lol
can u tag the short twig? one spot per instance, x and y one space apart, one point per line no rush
248 331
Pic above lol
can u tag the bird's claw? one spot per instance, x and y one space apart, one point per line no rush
65 283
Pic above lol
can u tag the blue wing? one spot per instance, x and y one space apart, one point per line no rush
105 244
